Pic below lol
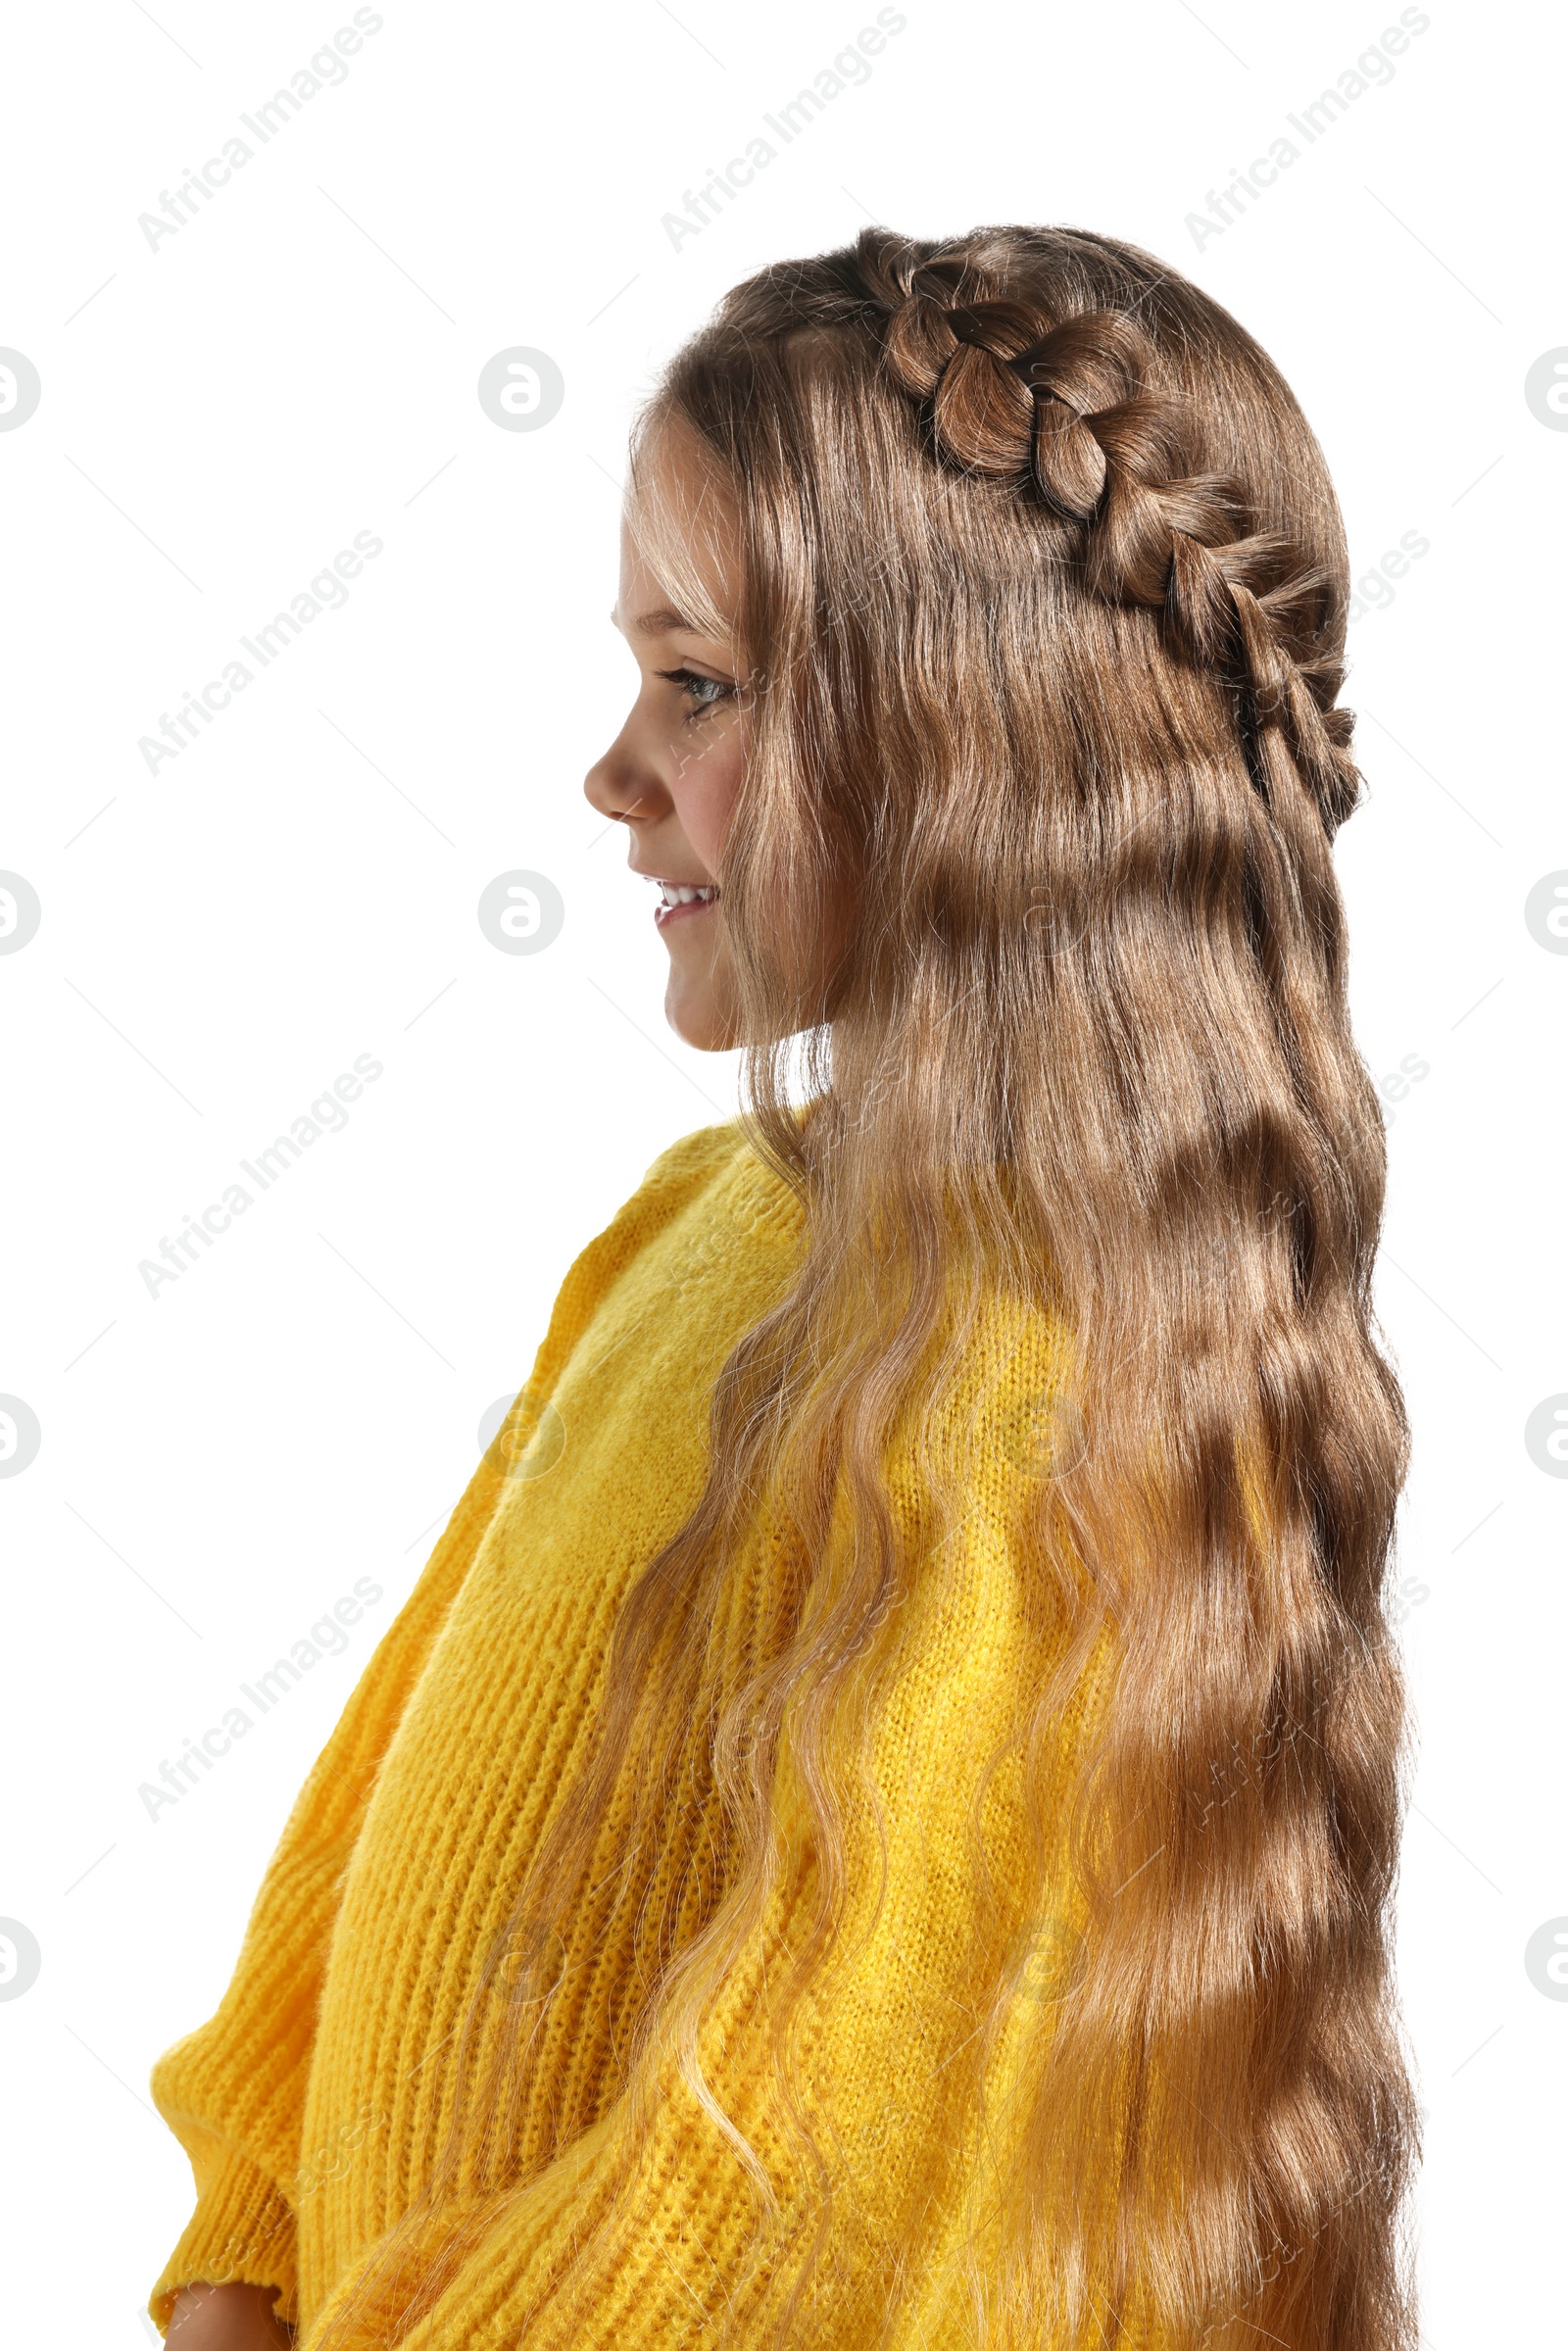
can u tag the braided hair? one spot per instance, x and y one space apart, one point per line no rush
1070 410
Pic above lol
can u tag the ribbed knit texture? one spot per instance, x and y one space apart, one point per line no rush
311 2104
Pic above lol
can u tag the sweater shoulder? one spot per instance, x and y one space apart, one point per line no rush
680 1173
710 1160
718 1163
687 1179
691 1160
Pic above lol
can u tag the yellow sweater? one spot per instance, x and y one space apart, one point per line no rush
310 2103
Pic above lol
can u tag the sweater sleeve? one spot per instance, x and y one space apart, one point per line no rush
233 2091
685 2261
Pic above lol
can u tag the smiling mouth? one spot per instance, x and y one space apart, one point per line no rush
681 901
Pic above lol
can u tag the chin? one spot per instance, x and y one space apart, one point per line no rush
697 1020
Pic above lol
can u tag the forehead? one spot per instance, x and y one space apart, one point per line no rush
679 539
643 593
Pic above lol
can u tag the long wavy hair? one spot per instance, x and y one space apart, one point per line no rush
1043 605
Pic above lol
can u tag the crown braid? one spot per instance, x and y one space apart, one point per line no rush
1070 411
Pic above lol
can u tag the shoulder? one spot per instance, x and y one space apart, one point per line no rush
686 1166
710 1164
711 1177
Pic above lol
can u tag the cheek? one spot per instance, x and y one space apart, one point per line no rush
704 792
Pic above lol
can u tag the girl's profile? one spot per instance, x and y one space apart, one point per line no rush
877 1822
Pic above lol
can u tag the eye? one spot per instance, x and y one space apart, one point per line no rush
704 693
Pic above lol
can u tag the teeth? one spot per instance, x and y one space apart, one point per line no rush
677 893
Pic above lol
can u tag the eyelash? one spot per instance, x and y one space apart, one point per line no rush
690 681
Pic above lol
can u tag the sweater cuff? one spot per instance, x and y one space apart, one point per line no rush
241 2232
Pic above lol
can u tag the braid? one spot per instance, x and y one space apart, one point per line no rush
1071 412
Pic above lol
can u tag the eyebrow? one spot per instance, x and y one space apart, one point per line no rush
659 624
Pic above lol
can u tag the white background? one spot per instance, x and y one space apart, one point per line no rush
219 417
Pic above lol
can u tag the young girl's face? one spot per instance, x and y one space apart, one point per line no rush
672 772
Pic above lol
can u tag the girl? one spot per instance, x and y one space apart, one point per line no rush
876 1825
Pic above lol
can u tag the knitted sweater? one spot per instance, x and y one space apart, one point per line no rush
310 2104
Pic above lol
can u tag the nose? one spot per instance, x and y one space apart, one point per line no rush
623 784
